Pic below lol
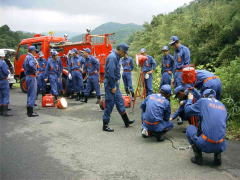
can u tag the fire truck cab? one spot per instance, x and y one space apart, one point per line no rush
100 46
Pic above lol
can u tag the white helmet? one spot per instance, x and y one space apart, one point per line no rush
2 53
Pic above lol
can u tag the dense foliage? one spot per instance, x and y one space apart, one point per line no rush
10 39
211 30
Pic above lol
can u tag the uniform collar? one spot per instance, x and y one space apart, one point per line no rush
30 54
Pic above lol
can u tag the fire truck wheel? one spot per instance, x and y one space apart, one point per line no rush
23 85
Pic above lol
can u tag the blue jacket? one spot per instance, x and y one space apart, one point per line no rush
181 57
167 63
127 63
42 63
201 76
112 70
53 67
3 69
59 61
30 65
91 65
149 64
212 114
77 62
156 108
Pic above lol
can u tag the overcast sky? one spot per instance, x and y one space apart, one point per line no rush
77 15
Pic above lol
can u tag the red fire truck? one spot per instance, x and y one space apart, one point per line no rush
100 46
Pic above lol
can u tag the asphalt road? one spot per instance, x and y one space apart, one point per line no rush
70 144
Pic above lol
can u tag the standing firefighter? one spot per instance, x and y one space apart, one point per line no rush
4 85
76 69
92 69
127 64
148 68
70 89
52 73
156 112
209 137
111 84
167 66
41 66
30 69
181 59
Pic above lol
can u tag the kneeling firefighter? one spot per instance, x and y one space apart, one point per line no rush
156 112
209 136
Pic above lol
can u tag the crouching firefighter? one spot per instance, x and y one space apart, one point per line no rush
30 69
4 85
92 69
156 112
209 137
113 94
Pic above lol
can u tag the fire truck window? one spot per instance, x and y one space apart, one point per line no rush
38 46
23 49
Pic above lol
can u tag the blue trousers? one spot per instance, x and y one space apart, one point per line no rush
41 84
31 90
70 88
110 100
203 145
92 83
163 126
77 81
166 79
4 92
60 84
53 78
214 84
148 84
127 81
177 79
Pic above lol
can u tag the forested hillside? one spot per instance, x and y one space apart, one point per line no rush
10 39
211 29
122 31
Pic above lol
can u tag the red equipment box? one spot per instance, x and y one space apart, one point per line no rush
126 99
48 100
189 75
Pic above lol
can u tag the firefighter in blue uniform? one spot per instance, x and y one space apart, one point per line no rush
91 67
207 80
30 69
127 64
60 84
4 85
156 112
209 137
77 69
167 66
52 73
41 66
181 59
111 84
70 88
148 68
181 94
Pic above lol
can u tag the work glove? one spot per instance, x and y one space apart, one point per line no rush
69 76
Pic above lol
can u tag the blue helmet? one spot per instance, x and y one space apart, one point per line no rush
166 89
173 40
74 50
54 52
87 50
32 48
209 93
143 50
123 47
41 54
165 48
178 89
